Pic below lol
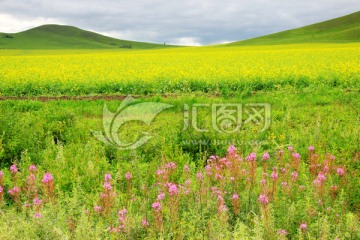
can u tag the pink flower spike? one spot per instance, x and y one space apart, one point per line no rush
97 209
291 148
145 223
156 206
32 168
107 177
38 215
161 196
296 156
340 171
187 168
303 226
47 178
13 169
107 186
170 165
251 157
263 199
37 201
274 176
311 148
128 176
282 232
199 176
235 196
1 175
173 189
265 156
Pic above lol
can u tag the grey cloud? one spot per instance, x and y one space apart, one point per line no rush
193 21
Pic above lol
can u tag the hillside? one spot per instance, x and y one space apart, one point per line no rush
67 37
339 30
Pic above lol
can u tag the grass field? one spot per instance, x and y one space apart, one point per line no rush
297 179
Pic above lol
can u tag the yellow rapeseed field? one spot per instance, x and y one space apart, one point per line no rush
182 69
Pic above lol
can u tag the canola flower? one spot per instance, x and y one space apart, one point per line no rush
178 70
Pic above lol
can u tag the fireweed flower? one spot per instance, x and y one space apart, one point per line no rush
199 176
265 156
263 181
263 199
311 148
31 178
1 175
251 157
145 223
14 191
32 168
122 215
332 157
186 168
173 189
97 209
282 232
321 177
187 182
284 184
107 177
37 202
303 227
290 148
340 171
281 152
170 165
128 176
222 208
38 215
274 176
13 169
294 176
296 156
161 196
156 206
107 186
48 178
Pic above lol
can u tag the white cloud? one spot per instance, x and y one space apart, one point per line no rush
186 41
11 24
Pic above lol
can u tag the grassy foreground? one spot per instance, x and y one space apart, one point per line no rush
164 190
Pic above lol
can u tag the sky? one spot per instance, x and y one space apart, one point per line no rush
183 22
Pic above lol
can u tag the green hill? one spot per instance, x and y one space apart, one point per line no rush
67 37
337 30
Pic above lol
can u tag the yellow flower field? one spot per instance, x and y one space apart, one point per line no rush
182 69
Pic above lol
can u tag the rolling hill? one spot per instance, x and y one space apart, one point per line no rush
338 30
67 37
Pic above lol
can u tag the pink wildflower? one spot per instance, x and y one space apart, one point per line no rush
199 176
107 186
187 168
13 169
265 156
107 177
296 156
311 148
294 176
38 215
145 223
98 209
173 189
161 196
282 232
290 148
340 171
37 201
235 196
263 199
156 206
47 178
274 176
32 168
170 165
303 226
128 176
251 157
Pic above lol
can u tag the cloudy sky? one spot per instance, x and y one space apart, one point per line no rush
185 22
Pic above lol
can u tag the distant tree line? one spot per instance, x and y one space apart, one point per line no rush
5 35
